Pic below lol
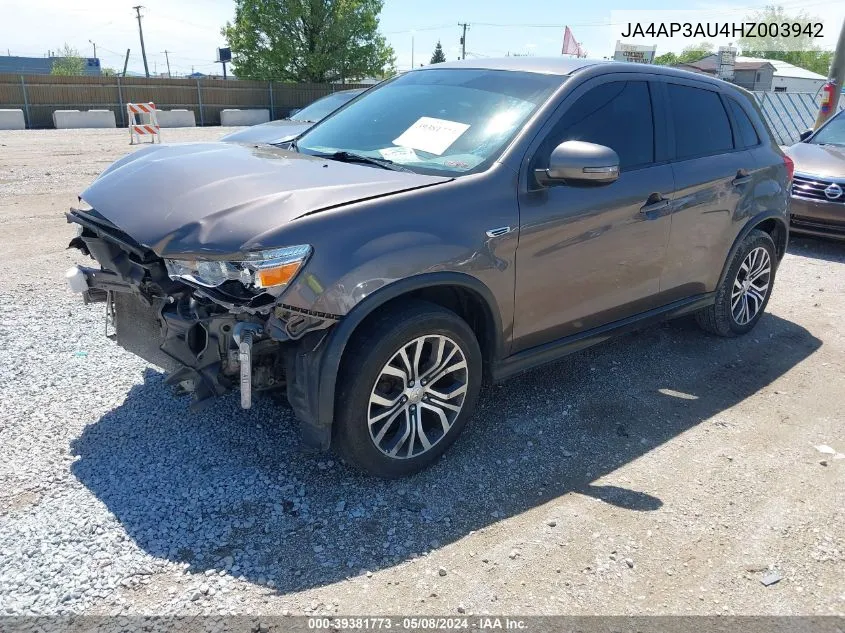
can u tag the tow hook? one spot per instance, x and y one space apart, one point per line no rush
243 334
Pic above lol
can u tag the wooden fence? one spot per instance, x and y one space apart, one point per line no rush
39 95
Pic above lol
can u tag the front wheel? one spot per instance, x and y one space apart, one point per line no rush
744 293
408 384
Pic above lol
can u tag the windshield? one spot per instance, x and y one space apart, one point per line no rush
833 133
450 121
322 108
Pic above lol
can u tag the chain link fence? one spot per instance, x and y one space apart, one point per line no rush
790 113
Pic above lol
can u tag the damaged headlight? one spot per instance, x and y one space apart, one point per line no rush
261 269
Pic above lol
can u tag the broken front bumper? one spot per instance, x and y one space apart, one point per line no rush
207 348
206 352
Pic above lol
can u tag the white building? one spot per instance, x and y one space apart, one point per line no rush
762 75
789 78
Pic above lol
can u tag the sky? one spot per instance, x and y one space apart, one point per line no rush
190 29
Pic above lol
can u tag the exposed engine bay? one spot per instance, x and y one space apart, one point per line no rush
210 339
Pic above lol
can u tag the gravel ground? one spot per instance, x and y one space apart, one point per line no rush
665 472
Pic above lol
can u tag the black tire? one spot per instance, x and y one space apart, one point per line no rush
719 318
367 355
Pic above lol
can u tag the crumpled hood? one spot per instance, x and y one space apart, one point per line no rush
217 198
818 160
274 132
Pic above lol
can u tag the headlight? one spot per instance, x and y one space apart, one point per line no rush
261 269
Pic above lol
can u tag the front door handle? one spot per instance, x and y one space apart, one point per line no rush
502 230
655 206
742 177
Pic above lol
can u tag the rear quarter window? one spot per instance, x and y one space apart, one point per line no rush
744 125
700 121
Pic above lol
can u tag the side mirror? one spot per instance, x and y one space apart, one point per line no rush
805 135
580 162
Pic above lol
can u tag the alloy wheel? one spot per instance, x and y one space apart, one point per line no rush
751 286
417 396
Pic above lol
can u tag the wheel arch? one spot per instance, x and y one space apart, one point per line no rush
770 222
461 293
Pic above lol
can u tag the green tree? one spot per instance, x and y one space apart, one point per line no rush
800 51
438 57
308 40
68 62
108 72
691 53
666 59
694 52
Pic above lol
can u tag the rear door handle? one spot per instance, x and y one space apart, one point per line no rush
742 177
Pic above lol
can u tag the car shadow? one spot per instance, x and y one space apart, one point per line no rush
231 488
827 249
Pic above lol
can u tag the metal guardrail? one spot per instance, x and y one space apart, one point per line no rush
790 113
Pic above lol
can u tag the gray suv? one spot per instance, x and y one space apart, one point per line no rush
460 223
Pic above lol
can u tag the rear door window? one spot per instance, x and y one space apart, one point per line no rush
701 123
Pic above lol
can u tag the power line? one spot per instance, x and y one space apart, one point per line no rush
417 30
204 27
716 13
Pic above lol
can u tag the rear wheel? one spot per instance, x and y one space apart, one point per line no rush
409 382
743 295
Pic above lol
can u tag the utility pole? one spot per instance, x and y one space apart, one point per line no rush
464 39
835 79
167 57
141 33
94 44
126 62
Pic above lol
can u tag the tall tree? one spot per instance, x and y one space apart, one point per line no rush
438 57
308 40
799 50
69 62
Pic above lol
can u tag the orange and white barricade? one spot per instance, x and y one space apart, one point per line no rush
139 128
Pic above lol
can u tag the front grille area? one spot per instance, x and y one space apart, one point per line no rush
813 188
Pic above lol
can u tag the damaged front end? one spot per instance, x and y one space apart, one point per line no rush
214 325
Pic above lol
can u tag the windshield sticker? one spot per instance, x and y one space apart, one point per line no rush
431 135
399 154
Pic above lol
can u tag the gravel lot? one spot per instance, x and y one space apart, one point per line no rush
665 472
